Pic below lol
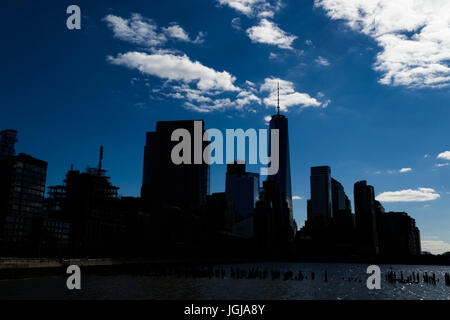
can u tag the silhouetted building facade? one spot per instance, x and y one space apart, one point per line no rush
90 203
398 235
365 216
329 228
22 191
320 209
283 176
242 190
274 223
8 139
168 184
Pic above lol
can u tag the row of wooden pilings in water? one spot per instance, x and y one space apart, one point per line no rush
416 278
276 274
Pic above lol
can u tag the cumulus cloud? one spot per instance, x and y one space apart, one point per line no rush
296 198
137 29
444 155
322 61
269 33
260 8
409 195
201 88
145 32
288 96
414 37
435 246
404 170
176 68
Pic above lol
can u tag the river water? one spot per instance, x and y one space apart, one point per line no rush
345 281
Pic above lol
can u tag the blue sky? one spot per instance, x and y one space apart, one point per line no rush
365 85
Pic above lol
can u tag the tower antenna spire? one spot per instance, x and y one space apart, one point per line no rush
278 105
100 161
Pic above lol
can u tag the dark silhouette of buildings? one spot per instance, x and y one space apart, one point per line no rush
175 216
343 222
283 176
275 227
366 222
320 209
398 235
22 191
329 228
167 184
89 203
242 190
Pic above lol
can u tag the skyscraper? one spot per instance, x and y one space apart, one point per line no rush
343 226
242 191
365 215
320 207
242 188
166 183
340 202
283 176
275 228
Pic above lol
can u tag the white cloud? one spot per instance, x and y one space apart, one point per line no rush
322 61
175 31
137 29
414 37
245 98
236 23
444 155
260 8
288 96
426 156
435 246
326 103
144 31
440 165
176 68
207 101
267 119
409 195
404 170
296 198
202 88
269 33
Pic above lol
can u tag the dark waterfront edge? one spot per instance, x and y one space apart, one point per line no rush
12 268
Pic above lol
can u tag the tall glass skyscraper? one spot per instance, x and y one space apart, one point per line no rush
283 177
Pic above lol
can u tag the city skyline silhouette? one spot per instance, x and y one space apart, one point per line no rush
81 89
